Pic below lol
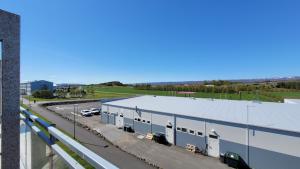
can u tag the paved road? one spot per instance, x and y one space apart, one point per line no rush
93 142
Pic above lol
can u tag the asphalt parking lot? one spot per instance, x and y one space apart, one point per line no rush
67 110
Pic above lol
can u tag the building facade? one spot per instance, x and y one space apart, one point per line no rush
266 135
30 87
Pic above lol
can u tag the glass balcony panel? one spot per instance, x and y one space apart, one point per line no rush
35 153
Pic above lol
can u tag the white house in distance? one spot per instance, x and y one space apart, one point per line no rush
265 134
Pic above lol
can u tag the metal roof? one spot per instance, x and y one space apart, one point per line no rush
280 116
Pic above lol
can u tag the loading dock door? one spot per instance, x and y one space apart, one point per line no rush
170 133
120 121
104 117
213 148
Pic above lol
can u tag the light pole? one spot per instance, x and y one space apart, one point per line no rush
29 102
74 121
248 159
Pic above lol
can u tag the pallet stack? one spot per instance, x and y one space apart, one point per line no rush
149 136
192 148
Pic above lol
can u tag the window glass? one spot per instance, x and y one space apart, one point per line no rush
183 129
192 132
199 133
178 128
168 126
213 136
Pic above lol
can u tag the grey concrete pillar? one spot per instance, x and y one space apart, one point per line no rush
10 89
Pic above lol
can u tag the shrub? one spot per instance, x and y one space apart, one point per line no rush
45 94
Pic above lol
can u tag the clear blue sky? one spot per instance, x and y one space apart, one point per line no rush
90 41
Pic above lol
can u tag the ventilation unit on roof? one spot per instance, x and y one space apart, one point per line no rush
256 101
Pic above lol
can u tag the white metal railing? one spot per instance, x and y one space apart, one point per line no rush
55 134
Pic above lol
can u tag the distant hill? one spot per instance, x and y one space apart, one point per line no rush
245 81
112 83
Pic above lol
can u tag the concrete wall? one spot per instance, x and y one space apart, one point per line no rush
128 122
162 119
274 149
142 127
114 110
10 90
142 122
230 136
183 138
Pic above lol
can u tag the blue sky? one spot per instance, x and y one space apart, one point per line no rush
157 40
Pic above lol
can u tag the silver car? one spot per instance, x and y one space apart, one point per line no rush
86 113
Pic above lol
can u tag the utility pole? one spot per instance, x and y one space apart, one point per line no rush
248 135
29 102
74 121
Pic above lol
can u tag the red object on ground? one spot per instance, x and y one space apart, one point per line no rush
186 92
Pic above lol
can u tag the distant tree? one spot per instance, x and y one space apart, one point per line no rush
46 94
112 83
61 93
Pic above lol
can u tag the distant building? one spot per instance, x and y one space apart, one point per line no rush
29 87
67 85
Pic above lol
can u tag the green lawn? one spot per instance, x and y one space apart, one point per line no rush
288 95
263 96
100 94
31 98
117 92
96 95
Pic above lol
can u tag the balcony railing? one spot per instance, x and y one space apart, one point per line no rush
39 148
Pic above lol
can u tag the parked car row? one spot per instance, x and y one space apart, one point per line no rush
91 112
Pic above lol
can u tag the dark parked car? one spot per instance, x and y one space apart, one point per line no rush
95 111
234 160
128 129
160 138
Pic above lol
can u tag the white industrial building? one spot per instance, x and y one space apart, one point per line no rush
265 134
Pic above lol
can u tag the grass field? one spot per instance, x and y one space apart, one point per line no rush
263 96
116 91
41 99
96 95
289 95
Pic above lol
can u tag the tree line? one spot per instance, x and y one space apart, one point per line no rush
289 85
70 92
223 87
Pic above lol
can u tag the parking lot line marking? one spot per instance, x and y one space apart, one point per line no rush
76 114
